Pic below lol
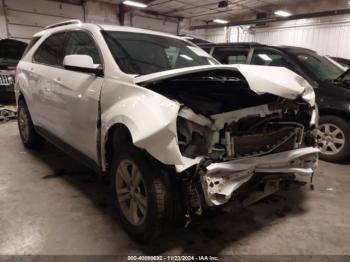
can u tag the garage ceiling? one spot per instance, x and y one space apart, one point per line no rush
206 10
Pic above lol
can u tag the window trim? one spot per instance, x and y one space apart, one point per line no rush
283 55
234 49
37 50
66 32
92 38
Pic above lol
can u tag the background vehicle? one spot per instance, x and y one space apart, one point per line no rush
10 53
194 40
175 131
344 62
332 94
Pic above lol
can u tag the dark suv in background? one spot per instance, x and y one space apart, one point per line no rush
331 83
11 52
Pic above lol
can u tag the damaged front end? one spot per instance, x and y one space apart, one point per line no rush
241 135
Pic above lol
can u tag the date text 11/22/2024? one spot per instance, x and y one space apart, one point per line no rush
173 258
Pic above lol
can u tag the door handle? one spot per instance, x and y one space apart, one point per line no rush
57 80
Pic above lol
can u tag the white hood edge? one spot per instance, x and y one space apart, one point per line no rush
278 81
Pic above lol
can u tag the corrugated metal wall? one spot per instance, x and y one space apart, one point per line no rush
20 19
24 18
327 36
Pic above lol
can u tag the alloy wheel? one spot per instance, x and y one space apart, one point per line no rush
23 121
131 192
331 139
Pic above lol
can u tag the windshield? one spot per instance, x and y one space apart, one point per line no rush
141 54
320 67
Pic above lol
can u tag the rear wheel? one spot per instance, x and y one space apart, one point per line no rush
140 194
333 138
30 138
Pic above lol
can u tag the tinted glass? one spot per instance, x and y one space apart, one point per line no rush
268 58
320 67
80 43
140 54
231 55
50 51
206 49
31 43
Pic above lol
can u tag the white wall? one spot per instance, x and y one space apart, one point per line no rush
3 28
151 22
103 13
26 17
327 35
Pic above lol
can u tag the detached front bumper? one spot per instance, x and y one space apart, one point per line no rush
222 179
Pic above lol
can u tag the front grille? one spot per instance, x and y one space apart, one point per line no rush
6 80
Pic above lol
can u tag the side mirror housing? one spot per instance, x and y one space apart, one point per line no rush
82 63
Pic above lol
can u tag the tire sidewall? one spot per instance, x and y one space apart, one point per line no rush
22 109
344 126
151 225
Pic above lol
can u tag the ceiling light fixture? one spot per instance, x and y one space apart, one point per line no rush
220 21
135 4
282 13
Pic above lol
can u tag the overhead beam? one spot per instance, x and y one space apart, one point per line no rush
275 19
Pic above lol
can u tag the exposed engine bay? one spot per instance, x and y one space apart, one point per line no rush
238 134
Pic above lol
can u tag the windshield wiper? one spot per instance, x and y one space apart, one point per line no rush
341 77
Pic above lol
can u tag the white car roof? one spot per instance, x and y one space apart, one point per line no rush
93 26
135 30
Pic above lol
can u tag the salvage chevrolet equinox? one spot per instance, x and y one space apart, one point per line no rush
172 130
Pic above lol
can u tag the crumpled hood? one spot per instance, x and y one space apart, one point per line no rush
277 81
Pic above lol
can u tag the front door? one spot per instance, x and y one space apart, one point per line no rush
76 98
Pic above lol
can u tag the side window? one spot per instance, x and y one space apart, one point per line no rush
50 51
231 55
80 43
30 45
268 58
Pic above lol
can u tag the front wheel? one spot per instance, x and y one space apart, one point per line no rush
333 138
140 194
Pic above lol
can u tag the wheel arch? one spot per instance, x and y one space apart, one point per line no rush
117 135
334 112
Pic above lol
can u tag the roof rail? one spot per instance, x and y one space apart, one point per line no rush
68 22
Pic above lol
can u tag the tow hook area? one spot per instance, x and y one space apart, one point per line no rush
220 181
269 188
270 185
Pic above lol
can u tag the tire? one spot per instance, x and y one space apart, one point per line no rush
30 138
145 225
334 138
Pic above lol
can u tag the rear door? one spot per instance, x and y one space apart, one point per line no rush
47 61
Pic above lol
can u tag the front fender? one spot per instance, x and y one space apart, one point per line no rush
150 118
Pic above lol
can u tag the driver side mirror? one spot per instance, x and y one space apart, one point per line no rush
82 63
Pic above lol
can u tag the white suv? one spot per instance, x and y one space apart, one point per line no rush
174 131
